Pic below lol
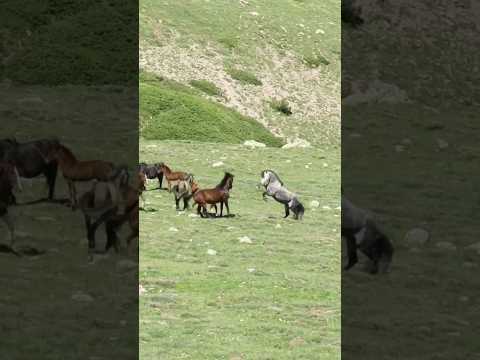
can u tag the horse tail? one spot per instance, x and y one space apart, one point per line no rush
301 210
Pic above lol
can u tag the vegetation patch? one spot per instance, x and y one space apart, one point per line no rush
244 76
171 111
281 106
207 87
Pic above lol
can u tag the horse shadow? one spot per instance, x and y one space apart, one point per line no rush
64 201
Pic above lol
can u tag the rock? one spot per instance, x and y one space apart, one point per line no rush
417 237
473 247
399 148
173 229
251 270
192 215
141 289
218 164
445 245
326 207
211 252
296 143
245 240
278 226
319 31
254 144
442 144
126 265
81 297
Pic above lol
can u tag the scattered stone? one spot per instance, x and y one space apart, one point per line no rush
399 148
442 144
319 31
218 164
192 215
278 226
325 165
126 265
307 166
141 289
326 207
406 141
81 297
173 229
254 144
296 342
251 270
474 247
211 252
296 143
445 245
245 240
417 237
254 13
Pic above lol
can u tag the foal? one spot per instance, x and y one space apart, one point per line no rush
185 189
173 177
219 194
75 170
9 178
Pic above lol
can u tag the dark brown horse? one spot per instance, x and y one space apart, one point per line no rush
219 194
173 177
9 179
30 159
152 172
75 170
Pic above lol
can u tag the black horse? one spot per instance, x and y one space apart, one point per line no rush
152 172
30 159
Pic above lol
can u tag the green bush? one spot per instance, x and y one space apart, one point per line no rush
244 76
207 87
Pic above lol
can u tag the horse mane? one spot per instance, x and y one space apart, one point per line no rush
67 152
166 167
276 175
224 180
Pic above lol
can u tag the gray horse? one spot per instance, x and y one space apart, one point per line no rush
274 187
361 232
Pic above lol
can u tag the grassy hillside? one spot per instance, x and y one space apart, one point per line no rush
172 111
254 52
425 175
276 298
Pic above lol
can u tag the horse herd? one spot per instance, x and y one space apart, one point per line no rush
184 187
111 200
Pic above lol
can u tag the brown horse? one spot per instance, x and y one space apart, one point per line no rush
219 194
173 177
9 178
75 170
185 189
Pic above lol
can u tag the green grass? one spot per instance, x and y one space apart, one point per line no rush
420 308
207 87
244 77
169 110
199 306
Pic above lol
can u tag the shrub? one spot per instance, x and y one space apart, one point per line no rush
244 76
207 87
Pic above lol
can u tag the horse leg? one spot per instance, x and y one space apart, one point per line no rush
90 235
112 239
221 209
51 175
160 180
351 250
185 203
7 219
287 211
177 201
226 205
199 211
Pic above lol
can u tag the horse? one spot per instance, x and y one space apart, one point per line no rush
98 205
275 188
30 161
141 185
173 177
74 170
152 172
219 194
9 179
356 223
185 189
